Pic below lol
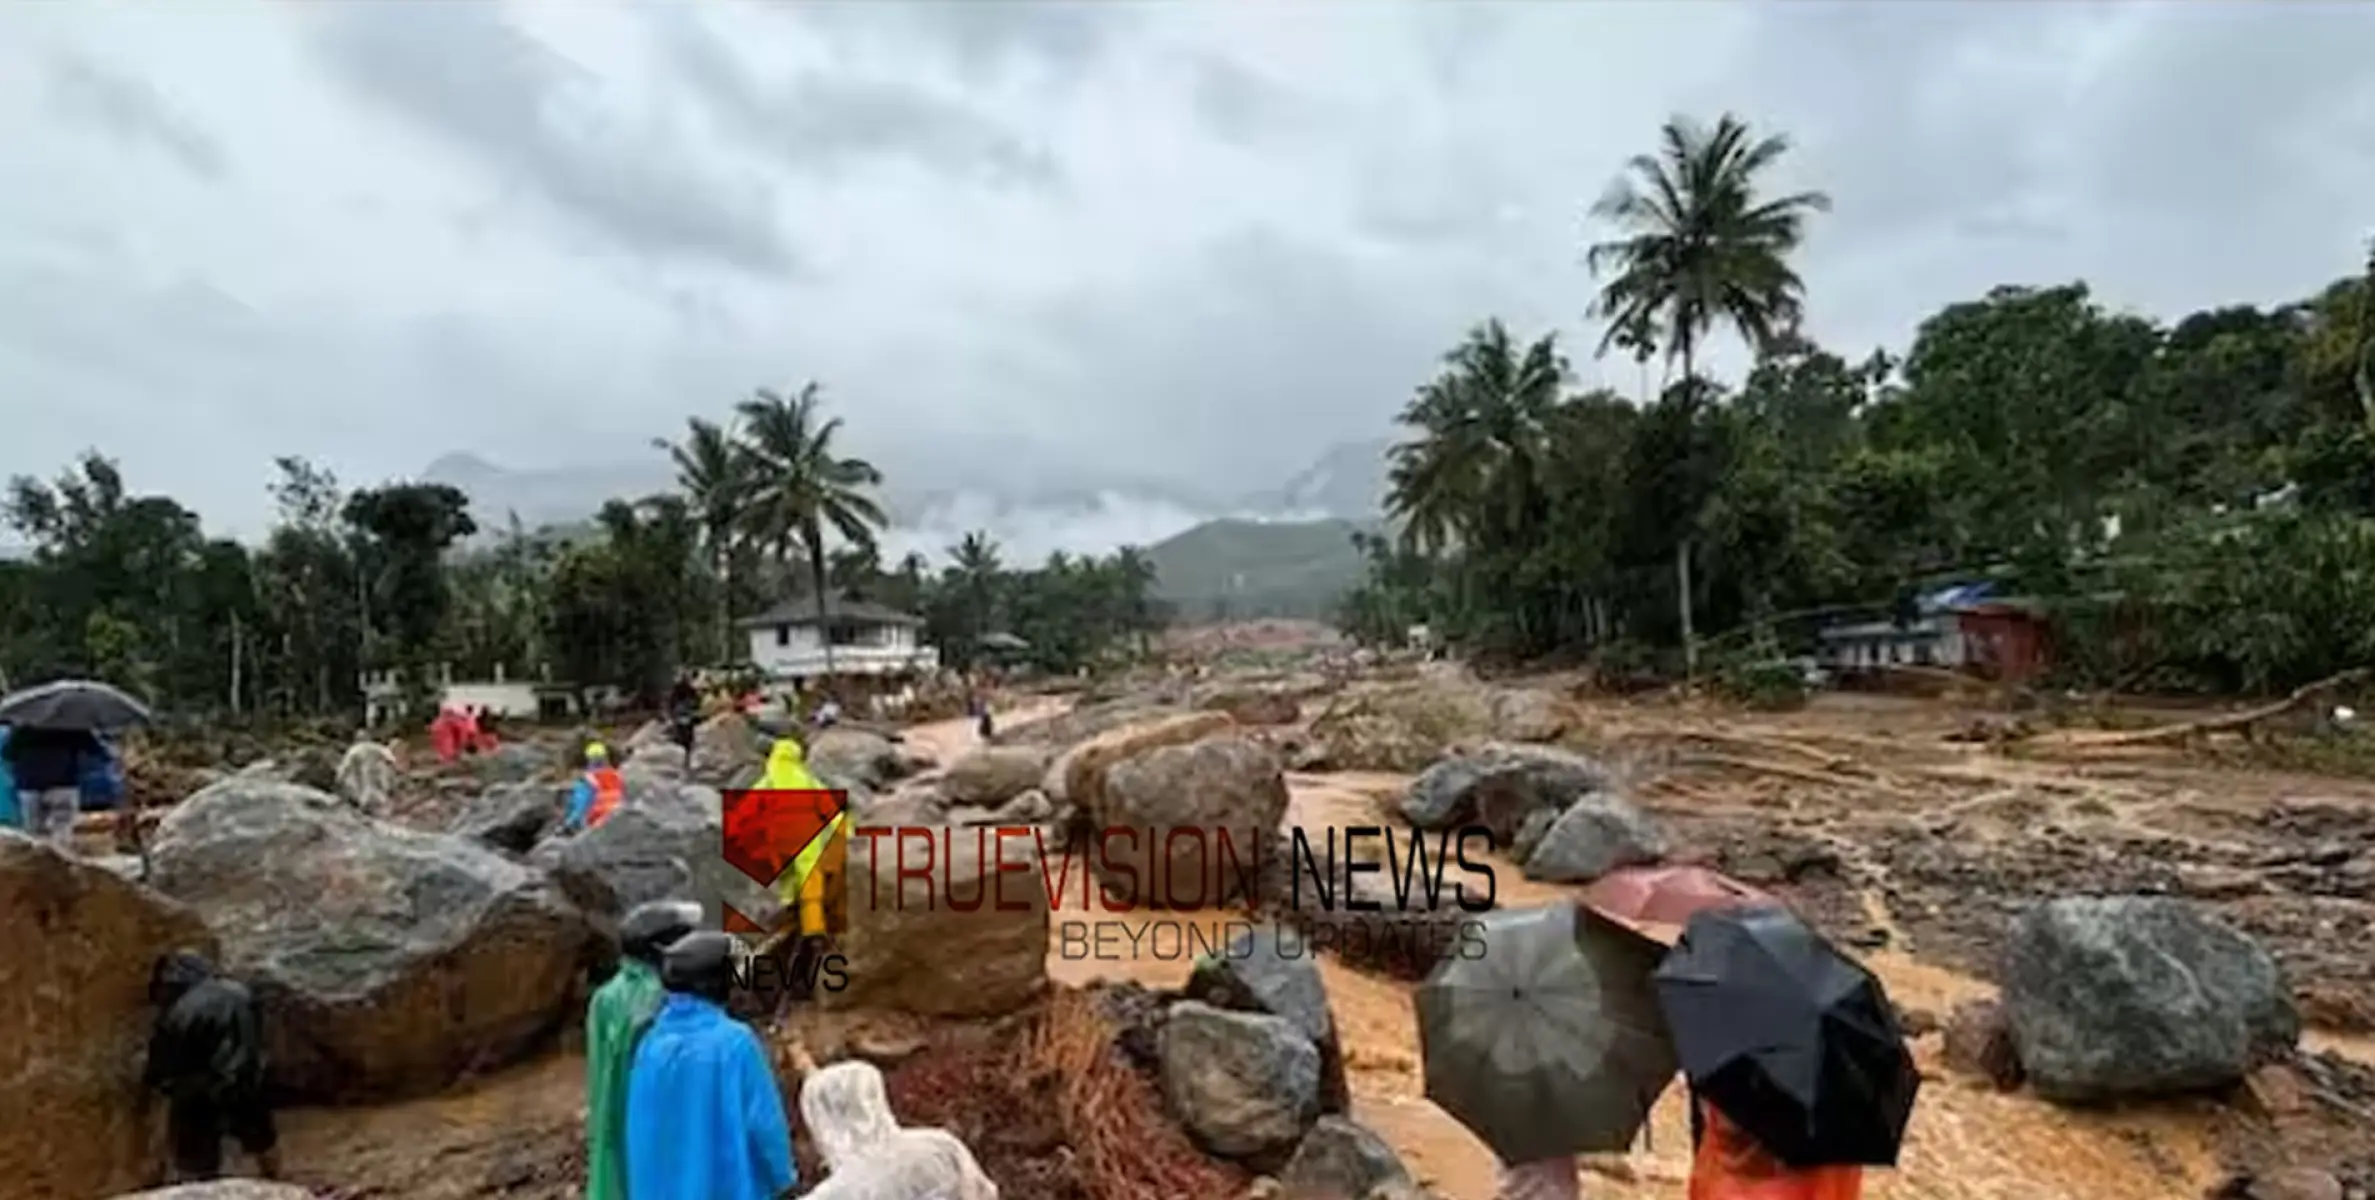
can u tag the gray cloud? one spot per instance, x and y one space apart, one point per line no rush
1270 222
818 120
468 76
82 92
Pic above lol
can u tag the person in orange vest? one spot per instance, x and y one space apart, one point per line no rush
1728 1164
598 791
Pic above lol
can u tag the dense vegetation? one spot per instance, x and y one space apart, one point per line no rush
2193 504
129 588
1233 569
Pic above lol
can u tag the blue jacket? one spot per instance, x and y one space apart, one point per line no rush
704 1118
102 782
11 816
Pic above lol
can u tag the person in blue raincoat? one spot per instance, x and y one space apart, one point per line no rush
11 816
102 782
705 1120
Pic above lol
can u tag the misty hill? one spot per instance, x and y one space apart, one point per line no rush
1238 568
1349 482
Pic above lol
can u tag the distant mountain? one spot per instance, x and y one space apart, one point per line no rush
1237 568
1348 481
546 495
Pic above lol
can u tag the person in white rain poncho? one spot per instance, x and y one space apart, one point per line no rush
867 1155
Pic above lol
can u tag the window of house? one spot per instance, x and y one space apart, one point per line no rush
850 635
783 635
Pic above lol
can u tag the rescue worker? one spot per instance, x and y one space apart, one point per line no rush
206 1057
813 882
684 715
48 768
1728 1164
597 794
615 1017
705 1120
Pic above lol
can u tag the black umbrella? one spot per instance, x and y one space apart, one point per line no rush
73 704
1548 1041
1793 1041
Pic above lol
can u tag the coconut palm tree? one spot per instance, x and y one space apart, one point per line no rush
712 472
975 561
799 486
1135 575
1471 469
1696 246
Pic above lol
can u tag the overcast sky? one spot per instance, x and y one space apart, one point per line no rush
1197 242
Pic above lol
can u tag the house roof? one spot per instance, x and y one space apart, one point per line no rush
801 610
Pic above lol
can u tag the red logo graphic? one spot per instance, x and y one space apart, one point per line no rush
793 843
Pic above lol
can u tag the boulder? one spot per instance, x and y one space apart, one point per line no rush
666 842
389 961
510 816
1084 721
76 949
1499 786
514 762
1212 807
1032 807
1400 727
1596 835
1244 1085
2125 996
1529 715
726 752
993 775
1255 706
1341 1159
913 803
1530 833
1076 775
853 758
1264 971
224 1189
968 938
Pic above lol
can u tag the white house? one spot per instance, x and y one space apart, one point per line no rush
512 699
788 641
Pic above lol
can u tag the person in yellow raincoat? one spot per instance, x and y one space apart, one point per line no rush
814 880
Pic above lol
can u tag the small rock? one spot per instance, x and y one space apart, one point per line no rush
1916 1022
1032 807
2295 1183
2329 854
1978 1041
224 1189
2218 883
2275 1090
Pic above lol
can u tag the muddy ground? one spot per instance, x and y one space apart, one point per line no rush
1909 846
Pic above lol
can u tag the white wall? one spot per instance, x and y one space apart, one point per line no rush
502 699
797 651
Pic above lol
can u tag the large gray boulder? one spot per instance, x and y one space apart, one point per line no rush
1596 835
1244 1085
390 961
1212 807
727 752
1342 1159
666 842
1499 785
514 762
856 758
2127 996
993 775
510 816
1266 970
963 939
76 947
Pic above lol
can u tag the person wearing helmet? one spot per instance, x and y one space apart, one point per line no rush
206 1057
598 791
615 1017
815 873
705 1120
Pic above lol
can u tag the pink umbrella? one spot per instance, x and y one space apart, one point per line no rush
1669 895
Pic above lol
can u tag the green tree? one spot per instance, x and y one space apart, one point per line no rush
800 486
406 529
714 475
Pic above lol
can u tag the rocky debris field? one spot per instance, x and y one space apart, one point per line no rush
2145 933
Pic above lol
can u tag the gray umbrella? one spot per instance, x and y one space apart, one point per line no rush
83 704
1549 1041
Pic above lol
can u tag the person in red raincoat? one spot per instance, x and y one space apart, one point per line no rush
445 733
1730 1165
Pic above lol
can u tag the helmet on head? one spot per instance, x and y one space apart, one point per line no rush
597 753
701 963
175 974
650 928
